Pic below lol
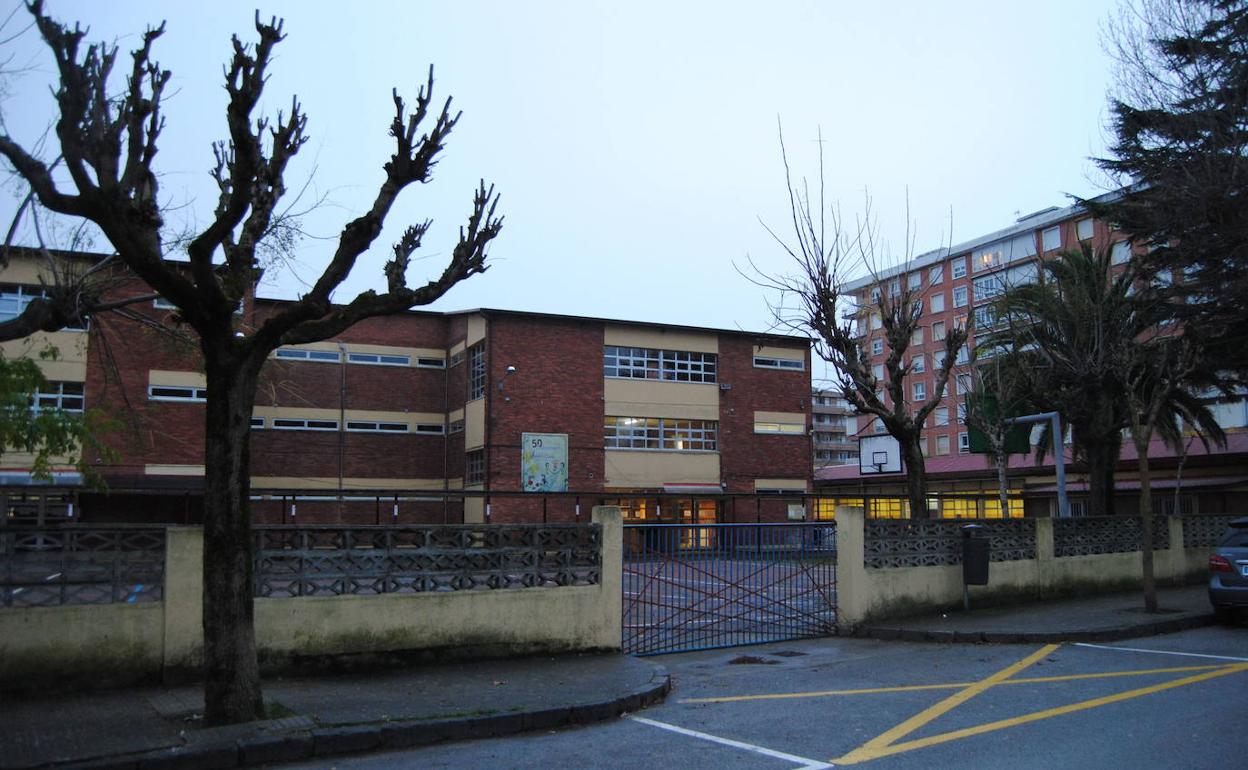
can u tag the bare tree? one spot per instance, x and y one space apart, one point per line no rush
825 249
998 389
108 145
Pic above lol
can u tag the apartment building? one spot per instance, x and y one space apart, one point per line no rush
481 415
955 285
833 428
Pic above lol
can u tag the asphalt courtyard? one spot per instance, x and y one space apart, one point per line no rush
1177 700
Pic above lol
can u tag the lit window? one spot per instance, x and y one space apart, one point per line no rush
660 433
937 302
935 274
959 296
300 354
379 359
285 423
66 396
1051 238
762 362
476 371
1083 229
176 393
958 267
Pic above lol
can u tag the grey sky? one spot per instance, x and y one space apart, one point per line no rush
634 144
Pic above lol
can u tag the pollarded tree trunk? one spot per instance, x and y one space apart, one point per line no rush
916 478
1146 515
1002 461
1101 461
232 672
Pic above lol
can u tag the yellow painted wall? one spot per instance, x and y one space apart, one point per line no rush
177 379
309 413
331 483
627 469
784 418
474 424
798 485
661 339
646 398
791 354
476 329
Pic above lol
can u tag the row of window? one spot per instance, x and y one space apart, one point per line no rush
66 396
652 364
353 426
660 433
374 359
14 297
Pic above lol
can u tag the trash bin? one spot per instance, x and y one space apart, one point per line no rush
974 555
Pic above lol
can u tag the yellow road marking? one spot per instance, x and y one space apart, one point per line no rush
874 750
948 686
882 742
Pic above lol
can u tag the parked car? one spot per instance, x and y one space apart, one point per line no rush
1228 570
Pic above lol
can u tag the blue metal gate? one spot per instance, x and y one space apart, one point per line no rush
699 586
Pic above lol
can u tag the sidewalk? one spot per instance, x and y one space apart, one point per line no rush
323 716
1087 619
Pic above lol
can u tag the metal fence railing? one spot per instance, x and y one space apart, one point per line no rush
81 565
331 560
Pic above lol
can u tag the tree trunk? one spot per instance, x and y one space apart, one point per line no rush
1003 461
916 479
1101 461
1146 524
231 671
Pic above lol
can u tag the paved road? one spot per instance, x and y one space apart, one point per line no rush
1166 701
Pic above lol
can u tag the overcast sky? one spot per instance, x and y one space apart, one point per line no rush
635 144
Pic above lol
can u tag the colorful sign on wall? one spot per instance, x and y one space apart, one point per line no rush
544 462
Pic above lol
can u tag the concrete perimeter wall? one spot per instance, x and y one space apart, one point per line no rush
868 594
107 644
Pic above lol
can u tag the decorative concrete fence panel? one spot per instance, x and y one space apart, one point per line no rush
108 608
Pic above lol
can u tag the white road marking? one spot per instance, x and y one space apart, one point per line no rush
805 763
1161 652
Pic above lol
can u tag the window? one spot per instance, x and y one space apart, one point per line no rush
937 302
914 280
15 297
876 321
935 274
762 362
938 331
429 428
988 286
875 295
942 445
918 364
66 396
779 427
877 347
160 303
959 296
373 426
457 426
380 359
474 467
916 338
456 359
1120 252
920 391
985 317
923 445
878 426
964 384
957 268
964 443
476 371
941 414
938 359
660 433
964 355
894 288
430 363
651 364
1051 238
961 413
877 371
257 423
176 393
285 423
1083 229
299 354
1002 252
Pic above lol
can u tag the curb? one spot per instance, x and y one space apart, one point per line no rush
329 741
901 634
